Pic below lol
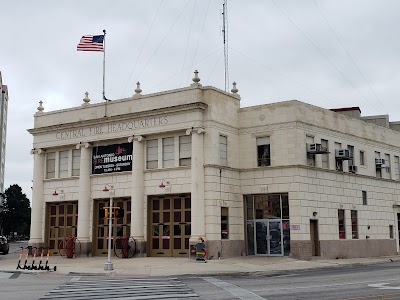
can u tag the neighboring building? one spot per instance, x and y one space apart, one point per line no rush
275 179
3 130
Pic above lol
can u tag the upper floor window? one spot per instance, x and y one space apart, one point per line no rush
76 162
63 164
152 154
387 166
223 150
310 157
263 151
338 162
396 168
351 150
51 165
362 158
185 150
377 167
325 156
168 152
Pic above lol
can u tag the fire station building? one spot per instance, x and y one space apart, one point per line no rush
278 179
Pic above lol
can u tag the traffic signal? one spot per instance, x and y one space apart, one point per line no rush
118 212
103 213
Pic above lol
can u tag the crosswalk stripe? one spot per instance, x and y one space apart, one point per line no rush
121 288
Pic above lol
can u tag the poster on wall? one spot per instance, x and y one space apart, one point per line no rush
112 158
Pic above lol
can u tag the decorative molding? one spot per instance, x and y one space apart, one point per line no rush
121 117
37 151
83 144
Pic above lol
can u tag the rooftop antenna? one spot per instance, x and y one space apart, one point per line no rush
225 37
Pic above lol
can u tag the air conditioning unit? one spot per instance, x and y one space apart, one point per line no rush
379 162
316 149
353 169
343 154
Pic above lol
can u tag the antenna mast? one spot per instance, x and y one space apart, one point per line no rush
225 36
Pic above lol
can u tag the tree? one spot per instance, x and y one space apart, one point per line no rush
16 211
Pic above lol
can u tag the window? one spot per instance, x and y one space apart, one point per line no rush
362 158
387 166
310 157
76 162
152 154
364 197
224 223
391 236
223 150
378 170
51 165
168 152
351 150
263 151
342 227
63 164
339 162
396 168
325 156
354 225
185 150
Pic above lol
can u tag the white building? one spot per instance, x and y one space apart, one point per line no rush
274 179
3 130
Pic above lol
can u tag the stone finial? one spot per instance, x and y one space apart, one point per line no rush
196 79
86 100
138 90
40 108
234 89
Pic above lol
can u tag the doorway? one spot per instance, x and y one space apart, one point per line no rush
120 227
62 220
269 237
169 225
314 236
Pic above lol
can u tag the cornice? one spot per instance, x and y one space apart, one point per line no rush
106 120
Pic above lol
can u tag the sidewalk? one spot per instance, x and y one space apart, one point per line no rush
170 266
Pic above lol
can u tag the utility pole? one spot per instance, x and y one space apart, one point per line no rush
225 38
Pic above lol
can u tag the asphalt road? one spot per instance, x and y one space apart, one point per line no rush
379 281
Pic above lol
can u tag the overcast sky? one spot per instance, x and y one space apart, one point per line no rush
335 53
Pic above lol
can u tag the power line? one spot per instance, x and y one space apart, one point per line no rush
188 38
319 50
347 52
162 41
141 50
283 75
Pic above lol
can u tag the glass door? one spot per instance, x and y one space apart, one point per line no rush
268 237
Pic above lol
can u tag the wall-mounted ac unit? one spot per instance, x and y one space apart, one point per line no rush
316 149
353 169
343 154
379 162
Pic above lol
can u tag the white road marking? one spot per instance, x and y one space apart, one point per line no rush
382 286
233 289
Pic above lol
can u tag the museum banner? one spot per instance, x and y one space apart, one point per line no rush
112 158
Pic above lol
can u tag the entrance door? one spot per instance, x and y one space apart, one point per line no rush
315 251
62 220
120 226
169 226
269 237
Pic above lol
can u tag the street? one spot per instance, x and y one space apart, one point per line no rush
379 281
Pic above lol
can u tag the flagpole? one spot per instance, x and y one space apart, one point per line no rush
104 66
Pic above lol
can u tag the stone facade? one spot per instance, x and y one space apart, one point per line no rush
318 186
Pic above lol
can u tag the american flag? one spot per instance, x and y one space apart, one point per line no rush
91 43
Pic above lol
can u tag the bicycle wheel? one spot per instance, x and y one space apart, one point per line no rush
132 247
118 248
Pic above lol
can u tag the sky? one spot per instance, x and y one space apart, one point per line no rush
327 53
